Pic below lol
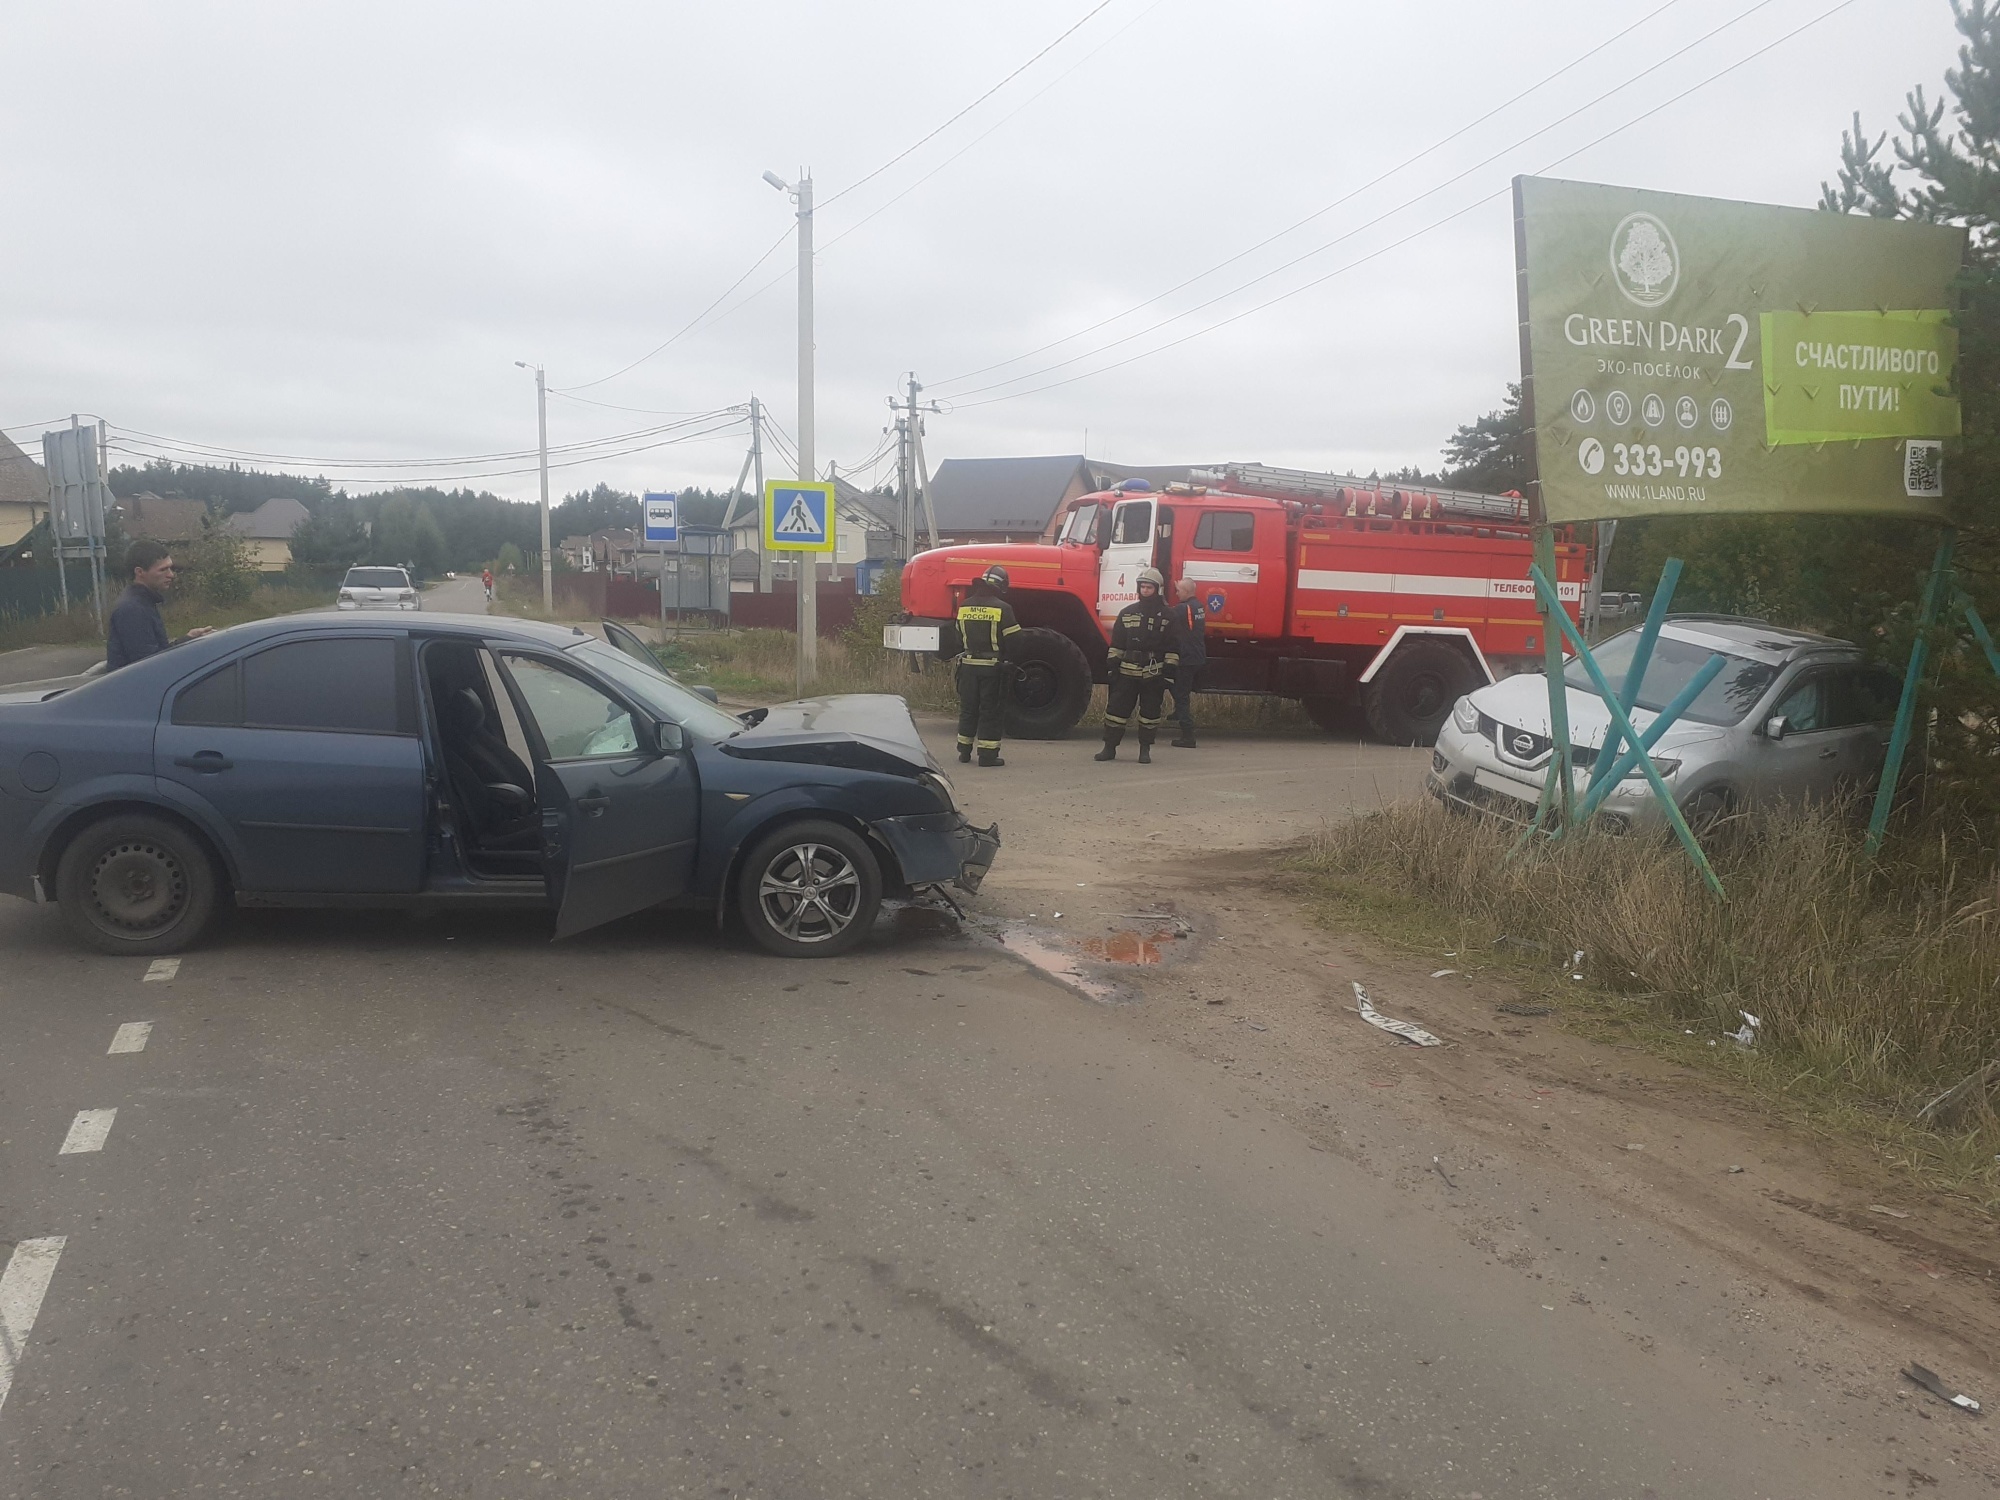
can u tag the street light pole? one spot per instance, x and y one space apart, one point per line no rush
802 194
542 429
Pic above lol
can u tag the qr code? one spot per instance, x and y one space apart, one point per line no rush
1923 470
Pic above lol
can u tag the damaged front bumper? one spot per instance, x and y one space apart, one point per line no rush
941 848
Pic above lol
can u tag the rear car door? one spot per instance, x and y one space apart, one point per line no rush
308 750
620 819
1861 712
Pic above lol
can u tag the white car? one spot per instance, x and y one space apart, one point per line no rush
378 588
1791 717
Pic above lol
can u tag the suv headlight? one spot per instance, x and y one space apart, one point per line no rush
1465 716
1666 765
936 781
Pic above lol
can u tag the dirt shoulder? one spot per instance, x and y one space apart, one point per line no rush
1526 1139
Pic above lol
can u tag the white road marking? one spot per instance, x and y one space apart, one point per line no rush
87 1132
163 968
130 1037
22 1284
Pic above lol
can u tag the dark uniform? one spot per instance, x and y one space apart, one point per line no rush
985 620
1190 625
1142 654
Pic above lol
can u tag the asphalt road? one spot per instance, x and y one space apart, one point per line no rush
436 1207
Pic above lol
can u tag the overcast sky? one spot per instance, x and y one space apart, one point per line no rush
329 230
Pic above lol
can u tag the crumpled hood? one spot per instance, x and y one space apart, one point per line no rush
861 731
1522 702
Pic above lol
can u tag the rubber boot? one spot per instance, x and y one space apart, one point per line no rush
1110 750
1145 749
1183 741
965 755
990 758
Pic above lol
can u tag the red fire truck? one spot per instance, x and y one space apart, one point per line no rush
1342 593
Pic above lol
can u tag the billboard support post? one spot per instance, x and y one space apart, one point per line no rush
1906 708
1642 658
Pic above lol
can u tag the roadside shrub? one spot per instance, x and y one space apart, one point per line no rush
215 566
1875 981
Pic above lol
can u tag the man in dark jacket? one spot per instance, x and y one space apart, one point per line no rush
1190 624
985 620
136 630
1142 654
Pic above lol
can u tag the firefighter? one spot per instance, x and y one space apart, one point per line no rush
1191 641
1142 654
985 620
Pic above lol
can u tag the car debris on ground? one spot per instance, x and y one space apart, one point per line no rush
1943 1392
1408 1031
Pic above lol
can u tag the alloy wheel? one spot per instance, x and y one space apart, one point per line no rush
810 893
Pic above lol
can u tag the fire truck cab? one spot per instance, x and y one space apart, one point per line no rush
1363 603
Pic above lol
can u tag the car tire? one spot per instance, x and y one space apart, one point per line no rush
1707 808
1048 687
1412 695
137 885
809 890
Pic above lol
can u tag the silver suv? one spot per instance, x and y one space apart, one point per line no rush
1792 716
378 588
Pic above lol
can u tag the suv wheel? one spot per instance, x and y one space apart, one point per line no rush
810 890
136 885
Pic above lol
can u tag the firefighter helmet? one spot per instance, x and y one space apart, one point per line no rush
1154 577
995 575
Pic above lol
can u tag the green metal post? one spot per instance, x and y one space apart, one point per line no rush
1642 658
1906 710
1552 664
1624 722
1980 633
1615 773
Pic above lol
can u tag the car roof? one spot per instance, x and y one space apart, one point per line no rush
1747 636
485 626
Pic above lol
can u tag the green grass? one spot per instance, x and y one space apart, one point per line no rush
1878 985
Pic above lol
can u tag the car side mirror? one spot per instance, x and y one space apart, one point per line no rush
671 737
1777 727
707 692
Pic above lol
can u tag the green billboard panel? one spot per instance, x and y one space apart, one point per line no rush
1689 356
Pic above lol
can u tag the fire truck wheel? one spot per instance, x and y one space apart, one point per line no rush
1407 702
1051 689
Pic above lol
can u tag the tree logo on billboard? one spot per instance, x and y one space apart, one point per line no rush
1645 259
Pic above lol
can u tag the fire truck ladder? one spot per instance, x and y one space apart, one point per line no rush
1304 484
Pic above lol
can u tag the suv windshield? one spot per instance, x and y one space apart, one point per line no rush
659 692
376 578
1726 700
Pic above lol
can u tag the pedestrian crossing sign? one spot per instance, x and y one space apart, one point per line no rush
798 516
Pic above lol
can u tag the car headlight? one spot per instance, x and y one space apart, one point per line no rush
936 781
1666 765
1465 716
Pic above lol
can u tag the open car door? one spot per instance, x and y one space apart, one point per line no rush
618 636
621 810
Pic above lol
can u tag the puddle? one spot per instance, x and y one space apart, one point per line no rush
1054 962
922 922
1128 947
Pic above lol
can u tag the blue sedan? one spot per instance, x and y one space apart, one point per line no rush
461 761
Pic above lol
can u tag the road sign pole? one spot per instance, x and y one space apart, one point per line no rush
808 561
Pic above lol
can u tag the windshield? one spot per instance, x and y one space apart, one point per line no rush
1726 700
1082 525
659 692
377 578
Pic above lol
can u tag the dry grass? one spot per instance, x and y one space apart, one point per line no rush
1878 986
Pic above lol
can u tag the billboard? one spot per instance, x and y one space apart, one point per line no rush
1691 356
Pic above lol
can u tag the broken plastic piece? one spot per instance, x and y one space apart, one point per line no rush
1404 1029
1440 973
1940 1390
1747 1036
1437 1164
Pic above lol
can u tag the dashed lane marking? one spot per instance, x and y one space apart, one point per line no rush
163 968
130 1037
87 1131
22 1284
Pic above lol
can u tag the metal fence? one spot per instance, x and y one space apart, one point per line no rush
27 593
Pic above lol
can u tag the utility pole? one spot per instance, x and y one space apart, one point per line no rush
802 195
914 490
542 428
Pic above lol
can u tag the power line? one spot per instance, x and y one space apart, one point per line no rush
1426 229
689 325
645 411
1370 223
1379 178
914 145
